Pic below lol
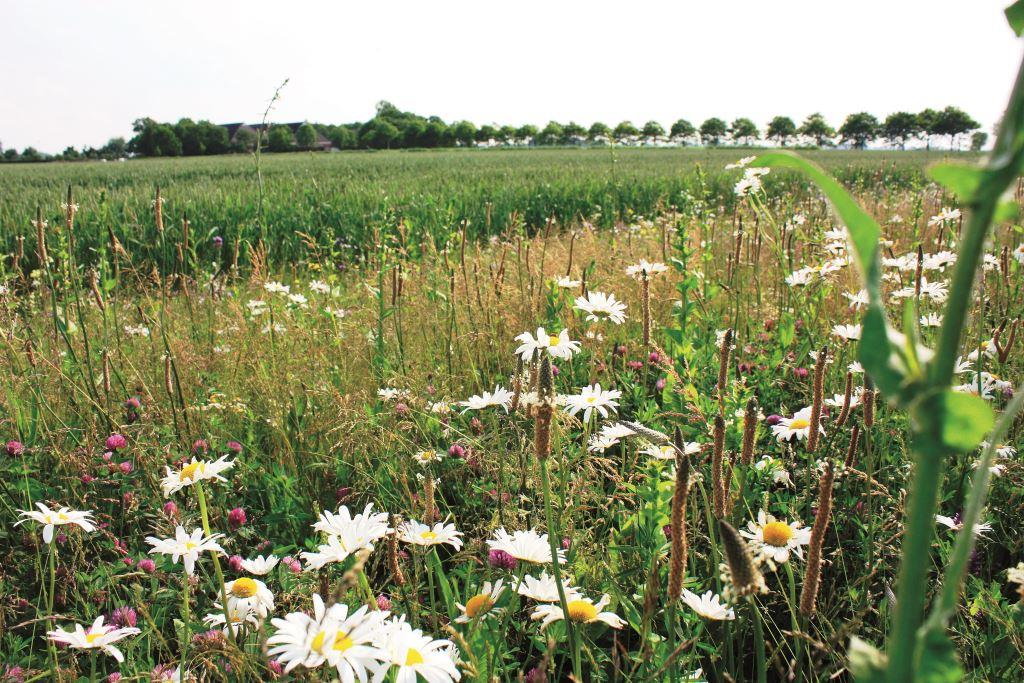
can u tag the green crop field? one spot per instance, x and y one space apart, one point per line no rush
349 197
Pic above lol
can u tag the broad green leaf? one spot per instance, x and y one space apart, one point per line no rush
877 355
1006 210
864 231
939 663
961 180
866 662
1015 17
955 420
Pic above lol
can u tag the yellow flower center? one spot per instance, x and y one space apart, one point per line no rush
799 423
428 536
776 533
591 399
244 588
62 517
92 637
342 642
581 610
189 545
478 604
318 641
553 340
189 471
413 657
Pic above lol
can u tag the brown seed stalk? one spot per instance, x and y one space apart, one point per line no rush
724 352
718 481
680 546
749 432
844 413
812 577
816 399
744 574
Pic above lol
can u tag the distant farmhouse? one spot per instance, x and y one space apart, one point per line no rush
251 131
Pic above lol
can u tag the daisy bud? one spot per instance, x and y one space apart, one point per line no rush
147 565
115 441
15 448
236 518
235 563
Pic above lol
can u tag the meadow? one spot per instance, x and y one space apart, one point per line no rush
531 415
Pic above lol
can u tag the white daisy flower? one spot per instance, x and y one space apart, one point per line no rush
847 332
418 533
500 397
799 426
185 545
544 588
414 654
980 529
668 451
54 518
482 605
582 610
708 606
97 637
260 566
780 475
357 531
249 595
557 345
774 539
192 472
524 545
426 457
600 306
567 282
590 399
858 299
645 268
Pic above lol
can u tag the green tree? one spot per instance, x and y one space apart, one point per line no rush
712 131
436 134
379 133
652 131
599 132
191 137
116 148
573 133
859 129
31 154
306 136
899 127
682 130
11 154
215 138
743 131
245 140
625 130
927 122
344 137
816 128
781 129
486 133
465 133
552 134
978 140
166 142
953 122
280 138
70 154
527 133
507 133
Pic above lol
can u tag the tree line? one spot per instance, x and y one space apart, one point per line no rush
391 128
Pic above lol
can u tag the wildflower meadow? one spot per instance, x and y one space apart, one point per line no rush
742 415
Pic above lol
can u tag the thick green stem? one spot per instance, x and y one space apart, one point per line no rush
216 560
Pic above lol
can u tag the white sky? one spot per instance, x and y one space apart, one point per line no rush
79 72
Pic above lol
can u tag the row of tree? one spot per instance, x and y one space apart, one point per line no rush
391 128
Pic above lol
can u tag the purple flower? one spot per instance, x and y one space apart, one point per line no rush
801 373
234 447
654 357
218 241
236 518
116 441
383 603
342 494
773 420
124 617
13 674
660 384
499 559
126 466
147 565
566 543
15 448
200 447
235 562
401 410
170 509
456 451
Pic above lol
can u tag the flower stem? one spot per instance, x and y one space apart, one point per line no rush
216 561
556 571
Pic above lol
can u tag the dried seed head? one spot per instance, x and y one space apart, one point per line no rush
677 568
546 382
812 577
717 474
396 569
868 398
749 432
851 452
744 573
817 398
844 413
652 435
724 352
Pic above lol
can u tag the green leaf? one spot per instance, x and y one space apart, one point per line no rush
1015 17
864 231
866 662
961 180
953 419
938 658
